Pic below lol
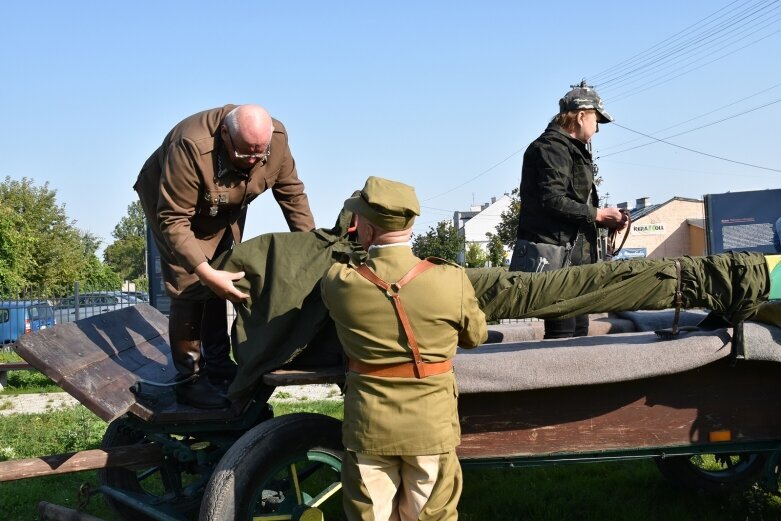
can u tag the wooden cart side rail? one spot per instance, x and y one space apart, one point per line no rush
123 456
324 375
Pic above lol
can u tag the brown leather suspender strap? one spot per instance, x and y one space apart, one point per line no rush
612 251
420 369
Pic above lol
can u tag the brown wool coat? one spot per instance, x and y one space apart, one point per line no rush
190 210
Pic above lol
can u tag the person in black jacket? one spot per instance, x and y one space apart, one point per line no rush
559 201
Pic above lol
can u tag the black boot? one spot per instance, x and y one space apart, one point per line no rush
200 393
184 328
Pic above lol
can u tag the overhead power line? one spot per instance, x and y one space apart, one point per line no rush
712 38
735 25
696 128
686 69
481 174
596 78
697 151
697 117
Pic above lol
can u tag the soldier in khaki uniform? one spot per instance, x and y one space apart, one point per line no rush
195 189
400 417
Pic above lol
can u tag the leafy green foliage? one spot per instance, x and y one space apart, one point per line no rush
39 246
131 225
442 241
126 255
475 256
16 250
496 252
507 229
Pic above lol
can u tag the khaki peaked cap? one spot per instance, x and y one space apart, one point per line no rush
390 205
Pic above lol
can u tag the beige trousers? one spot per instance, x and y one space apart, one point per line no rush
401 488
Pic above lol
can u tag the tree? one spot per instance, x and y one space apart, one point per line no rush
507 229
127 254
16 252
126 257
475 256
131 225
442 241
496 252
39 246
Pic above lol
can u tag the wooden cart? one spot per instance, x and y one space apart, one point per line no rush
160 460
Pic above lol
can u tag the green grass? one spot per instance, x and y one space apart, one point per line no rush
7 356
24 381
632 490
28 382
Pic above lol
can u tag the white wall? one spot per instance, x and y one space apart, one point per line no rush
474 229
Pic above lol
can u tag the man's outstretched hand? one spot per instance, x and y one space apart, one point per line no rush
221 282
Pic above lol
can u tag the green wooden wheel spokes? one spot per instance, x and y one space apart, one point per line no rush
308 480
296 485
332 489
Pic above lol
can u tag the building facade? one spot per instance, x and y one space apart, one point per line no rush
670 229
474 223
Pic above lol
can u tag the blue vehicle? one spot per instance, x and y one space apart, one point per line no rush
18 317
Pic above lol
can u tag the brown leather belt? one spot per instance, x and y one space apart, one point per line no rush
400 370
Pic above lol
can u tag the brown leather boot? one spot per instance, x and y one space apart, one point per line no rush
184 334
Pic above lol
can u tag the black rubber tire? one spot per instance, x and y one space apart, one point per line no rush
118 434
255 463
713 474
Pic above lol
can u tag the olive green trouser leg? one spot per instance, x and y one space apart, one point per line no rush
731 284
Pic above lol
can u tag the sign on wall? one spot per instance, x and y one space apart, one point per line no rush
631 253
742 221
648 229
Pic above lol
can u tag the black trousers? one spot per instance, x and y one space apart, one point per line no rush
567 327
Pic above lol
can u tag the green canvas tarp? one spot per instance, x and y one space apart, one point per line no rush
285 313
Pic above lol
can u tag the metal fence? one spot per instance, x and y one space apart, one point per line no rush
35 309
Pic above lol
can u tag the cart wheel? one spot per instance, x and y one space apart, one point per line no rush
146 485
285 468
713 473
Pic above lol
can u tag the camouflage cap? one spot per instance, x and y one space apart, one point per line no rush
387 204
583 97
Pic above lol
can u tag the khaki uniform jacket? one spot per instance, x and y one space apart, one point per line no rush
402 416
190 208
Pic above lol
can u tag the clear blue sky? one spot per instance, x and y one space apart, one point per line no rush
429 93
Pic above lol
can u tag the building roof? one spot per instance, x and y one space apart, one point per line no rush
639 213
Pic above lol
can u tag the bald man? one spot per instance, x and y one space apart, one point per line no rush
195 189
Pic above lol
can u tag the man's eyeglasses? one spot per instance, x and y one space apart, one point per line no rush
261 157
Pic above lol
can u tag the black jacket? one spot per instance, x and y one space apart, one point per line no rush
558 196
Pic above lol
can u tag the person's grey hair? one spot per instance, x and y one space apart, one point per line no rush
232 122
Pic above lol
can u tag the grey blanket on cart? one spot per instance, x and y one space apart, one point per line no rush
602 359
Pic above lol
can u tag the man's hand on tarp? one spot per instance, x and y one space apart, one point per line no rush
221 282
